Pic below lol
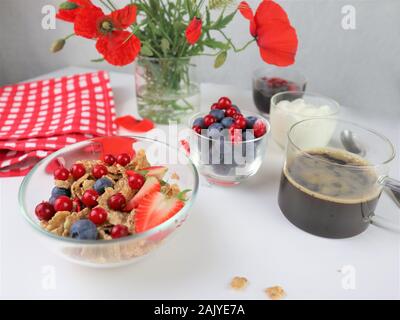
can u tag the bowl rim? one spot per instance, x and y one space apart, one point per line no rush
246 113
149 233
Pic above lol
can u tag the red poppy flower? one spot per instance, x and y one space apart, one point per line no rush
275 36
69 15
92 23
193 31
117 46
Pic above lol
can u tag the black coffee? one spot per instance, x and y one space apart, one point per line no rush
321 196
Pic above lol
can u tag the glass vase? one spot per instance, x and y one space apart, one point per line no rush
167 89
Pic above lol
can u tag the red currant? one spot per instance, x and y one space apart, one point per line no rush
260 128
77 205
89 198
124 159
98 216
109 159
119 231
99 171
215 106
136 181
225 103
44 211
238 115
197 129
61 174
209 120
235 134
117 202
240 123
63 203
230 112
78 171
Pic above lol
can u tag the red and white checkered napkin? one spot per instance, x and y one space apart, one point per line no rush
41 117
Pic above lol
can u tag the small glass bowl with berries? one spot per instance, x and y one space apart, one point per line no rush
268 81
107 202
228 144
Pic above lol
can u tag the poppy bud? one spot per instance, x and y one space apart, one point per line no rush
220 60
57 45
67 5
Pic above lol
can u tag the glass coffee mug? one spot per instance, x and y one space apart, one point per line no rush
330 187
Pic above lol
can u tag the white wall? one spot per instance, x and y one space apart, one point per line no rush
360 68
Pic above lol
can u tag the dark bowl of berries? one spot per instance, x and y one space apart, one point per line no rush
228 144
268 81
109 201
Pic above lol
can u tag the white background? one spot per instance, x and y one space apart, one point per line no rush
360 68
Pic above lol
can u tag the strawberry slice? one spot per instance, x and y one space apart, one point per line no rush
150 186
158 172
155 209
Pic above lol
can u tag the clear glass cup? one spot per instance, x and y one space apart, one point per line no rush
226 163
167 89
269 80
38 184
288 108
331 187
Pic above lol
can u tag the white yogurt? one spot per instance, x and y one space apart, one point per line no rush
286 113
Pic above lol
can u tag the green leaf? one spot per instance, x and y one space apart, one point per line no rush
146 51
214 44
220 59
97 60
165 45
182 195
67 5
223 22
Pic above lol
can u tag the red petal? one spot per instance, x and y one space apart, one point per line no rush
86 22
132 124
70 15
54 165
119 48
116 145
124 17
278 43
268 12
67 15
246 10
193 31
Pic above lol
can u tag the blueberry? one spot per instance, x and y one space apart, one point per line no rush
227 122
101 185
251 121
84 230
52 200
214 131
199 122
218 114
58 192
236 108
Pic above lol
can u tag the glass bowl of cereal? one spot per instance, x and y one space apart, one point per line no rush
109 201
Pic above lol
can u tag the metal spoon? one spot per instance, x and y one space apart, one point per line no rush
350 144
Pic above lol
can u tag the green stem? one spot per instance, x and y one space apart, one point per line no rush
233 46
69 36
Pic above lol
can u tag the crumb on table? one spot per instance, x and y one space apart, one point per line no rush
239 283
275 293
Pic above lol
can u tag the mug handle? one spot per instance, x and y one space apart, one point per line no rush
379 221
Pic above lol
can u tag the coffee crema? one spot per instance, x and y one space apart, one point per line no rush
329 192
